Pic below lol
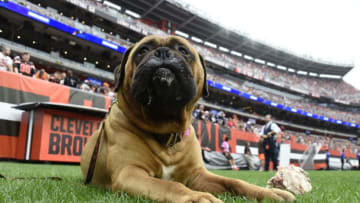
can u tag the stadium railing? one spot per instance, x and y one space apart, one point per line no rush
54 58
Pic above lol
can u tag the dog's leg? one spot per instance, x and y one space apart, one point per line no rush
207 182
137 181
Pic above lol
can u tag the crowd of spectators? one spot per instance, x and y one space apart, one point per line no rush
24 66
336 144
337 89
302 104
223 119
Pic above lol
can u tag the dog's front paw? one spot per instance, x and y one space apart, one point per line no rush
279 195
199 197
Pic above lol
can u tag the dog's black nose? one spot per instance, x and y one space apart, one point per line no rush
162 53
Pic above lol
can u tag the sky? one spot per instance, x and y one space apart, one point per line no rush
325 29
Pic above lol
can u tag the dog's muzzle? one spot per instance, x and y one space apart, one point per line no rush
163 79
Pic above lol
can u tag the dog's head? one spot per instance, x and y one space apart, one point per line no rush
163 78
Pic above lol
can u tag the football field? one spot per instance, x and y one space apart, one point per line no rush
328 186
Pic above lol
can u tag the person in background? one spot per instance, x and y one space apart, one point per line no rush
17 59
201 112
327 159
111 94
205 116
42 75
342 158
198 113
230 123
105 88
248 158
213 118
25 66
55 77
241 125
248 126
62 78
225 148
221 119
6 63
261 152
70 80
236 121
85 86
269 132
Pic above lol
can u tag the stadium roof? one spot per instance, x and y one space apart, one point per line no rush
193 24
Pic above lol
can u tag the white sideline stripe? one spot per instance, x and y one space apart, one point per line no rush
337 162
299 156
8 113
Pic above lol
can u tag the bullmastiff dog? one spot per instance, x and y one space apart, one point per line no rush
148 146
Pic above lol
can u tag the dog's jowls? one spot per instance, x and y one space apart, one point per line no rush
158 84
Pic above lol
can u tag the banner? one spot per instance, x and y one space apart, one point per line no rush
64 134
55 134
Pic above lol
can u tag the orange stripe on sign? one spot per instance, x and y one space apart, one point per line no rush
107 102
8 146
87 103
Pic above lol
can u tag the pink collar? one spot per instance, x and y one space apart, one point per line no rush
187 132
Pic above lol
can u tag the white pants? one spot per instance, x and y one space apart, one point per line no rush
249 162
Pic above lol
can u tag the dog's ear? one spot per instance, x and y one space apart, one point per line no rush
119 72
205 91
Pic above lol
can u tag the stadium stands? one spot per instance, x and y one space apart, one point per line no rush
288 99
295 81
304 84
287 87
289 79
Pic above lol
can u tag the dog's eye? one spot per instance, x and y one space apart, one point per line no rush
143 50
183 51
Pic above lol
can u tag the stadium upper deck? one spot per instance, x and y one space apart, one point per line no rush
176 15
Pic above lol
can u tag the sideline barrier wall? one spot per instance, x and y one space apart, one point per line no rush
211 135
16 89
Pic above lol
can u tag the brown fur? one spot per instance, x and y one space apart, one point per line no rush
131 160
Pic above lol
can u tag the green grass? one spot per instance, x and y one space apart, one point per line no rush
328 186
